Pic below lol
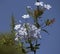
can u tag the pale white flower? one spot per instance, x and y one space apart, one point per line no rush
22 28
35 35
38 30
16 39
39 3
33 32
47 6
17 26
25 16
22 31
34 27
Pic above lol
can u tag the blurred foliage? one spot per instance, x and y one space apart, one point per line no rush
8 45
13 22
7 41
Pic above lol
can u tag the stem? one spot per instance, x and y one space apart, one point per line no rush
37 6
35 52
44 26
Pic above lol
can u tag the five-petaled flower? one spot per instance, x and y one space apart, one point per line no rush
47 6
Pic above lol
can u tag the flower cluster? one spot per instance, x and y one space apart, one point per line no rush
26 31
30 33
47 6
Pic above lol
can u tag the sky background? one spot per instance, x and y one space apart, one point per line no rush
50 44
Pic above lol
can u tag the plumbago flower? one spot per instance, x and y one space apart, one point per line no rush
26 31
39 3
47 6
17 26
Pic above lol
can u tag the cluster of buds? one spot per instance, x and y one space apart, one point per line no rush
46 6
48 21
39 11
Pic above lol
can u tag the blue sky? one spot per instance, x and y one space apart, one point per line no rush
50 44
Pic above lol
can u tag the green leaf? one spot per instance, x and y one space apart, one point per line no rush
23 50
37 45
37 25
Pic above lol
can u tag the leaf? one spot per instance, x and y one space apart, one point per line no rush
28 47
23 50
45 30
37 45
37 24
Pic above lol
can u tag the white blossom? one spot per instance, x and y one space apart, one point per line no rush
33 32
25 16
37 33
16 39
22 31
33 27
17 26
47 6
39 3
